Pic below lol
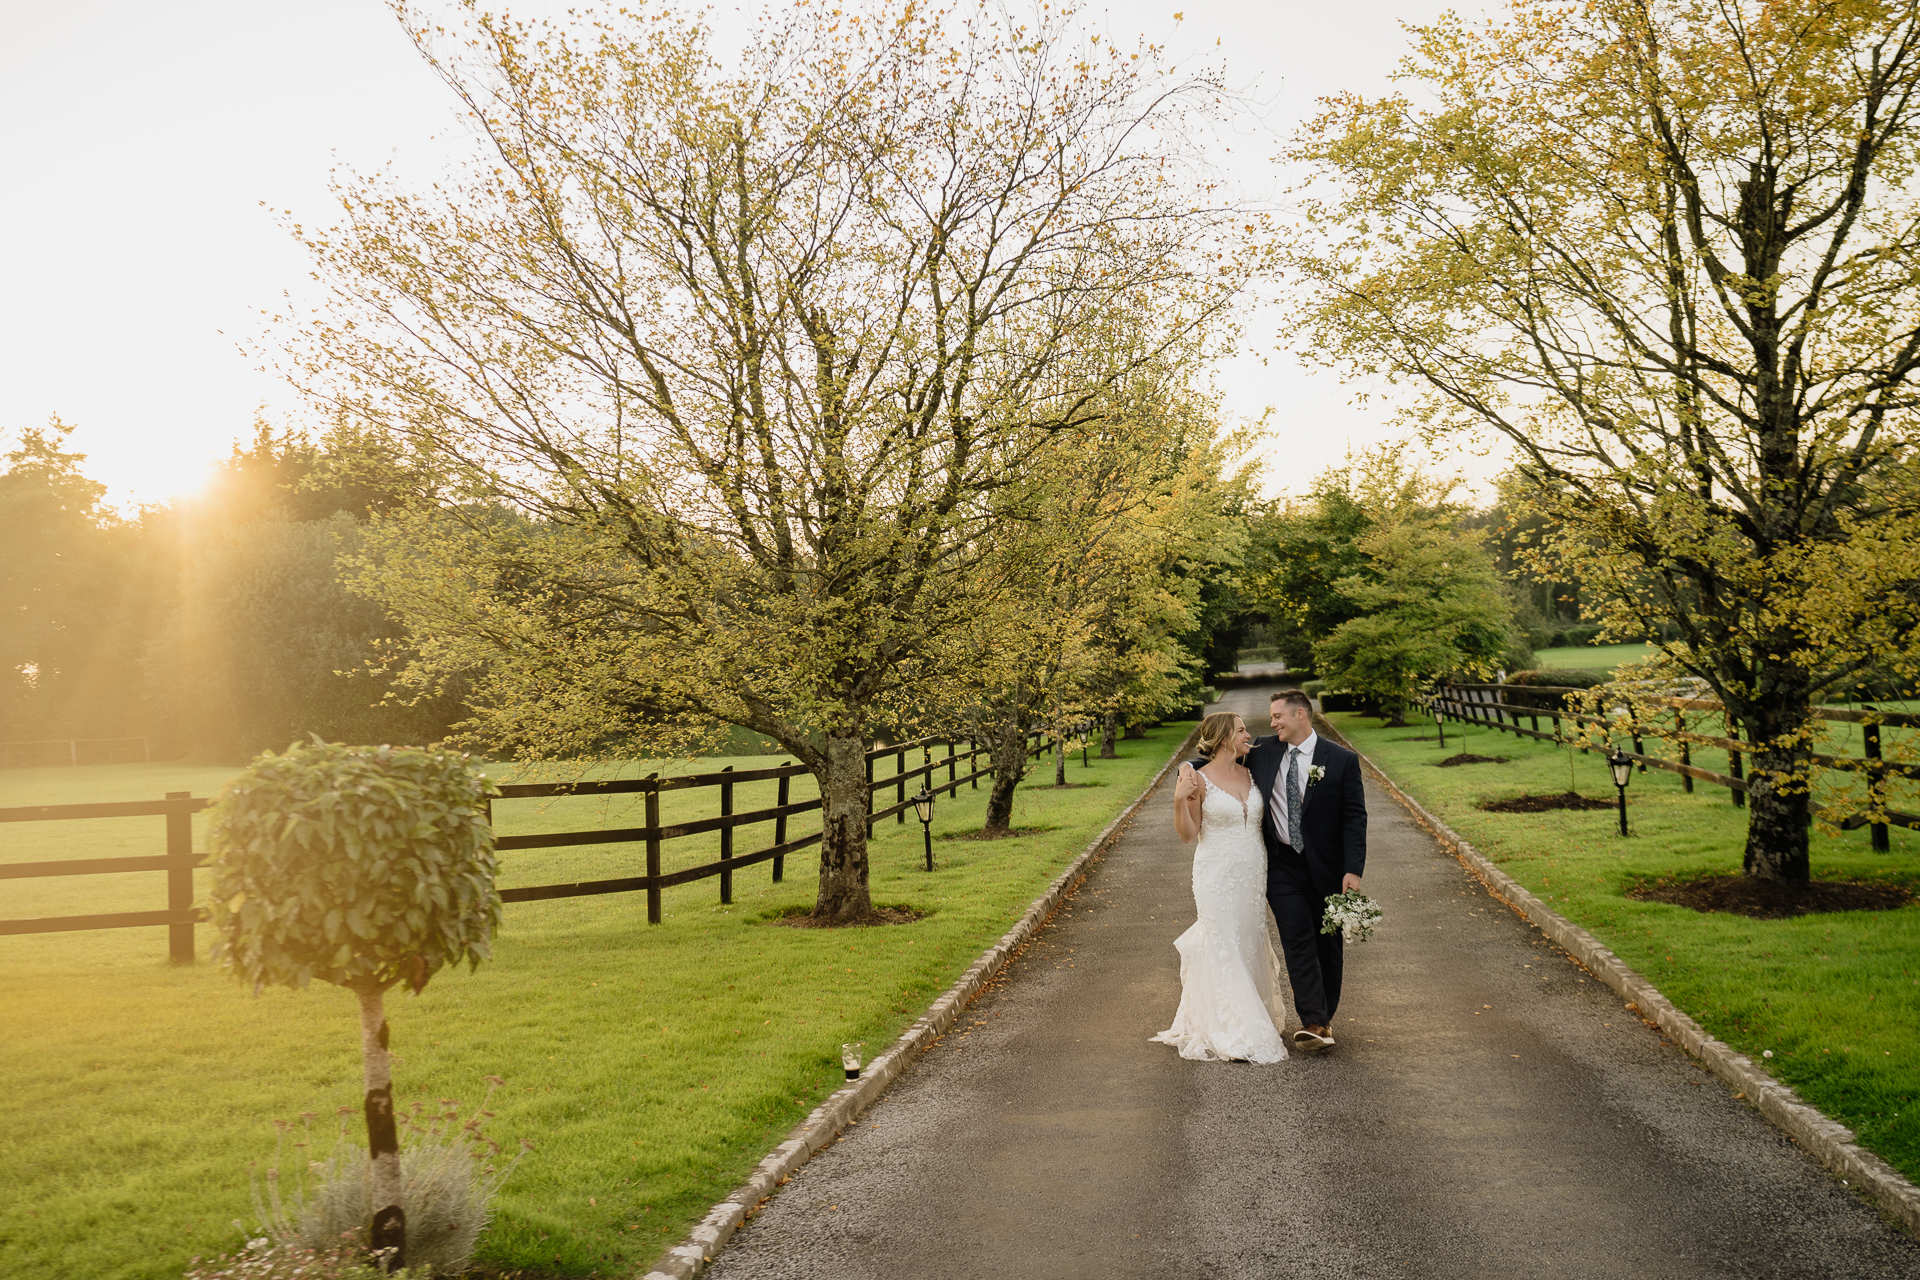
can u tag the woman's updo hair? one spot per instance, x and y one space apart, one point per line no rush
1216 731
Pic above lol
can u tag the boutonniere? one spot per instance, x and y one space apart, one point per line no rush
1315 773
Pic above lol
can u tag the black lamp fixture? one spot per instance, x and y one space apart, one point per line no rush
923 806
1622 765
1439 721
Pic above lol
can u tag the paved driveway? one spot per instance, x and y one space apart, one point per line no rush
1487 1114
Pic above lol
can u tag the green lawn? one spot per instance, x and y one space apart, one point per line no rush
652 1067
1592 657
1835 997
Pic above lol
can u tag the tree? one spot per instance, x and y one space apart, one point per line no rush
362 867
69 613
257 643
1669 250
1096 558
1425 600
263 646
729 367
1299 549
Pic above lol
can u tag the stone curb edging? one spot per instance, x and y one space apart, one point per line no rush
823 1126
1827 1140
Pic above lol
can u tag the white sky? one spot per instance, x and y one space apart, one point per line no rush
147 144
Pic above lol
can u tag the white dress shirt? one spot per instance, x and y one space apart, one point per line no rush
1277 803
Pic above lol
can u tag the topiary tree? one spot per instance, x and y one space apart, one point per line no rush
363 867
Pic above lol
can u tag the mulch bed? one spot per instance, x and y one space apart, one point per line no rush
1468 758
981 835
802 918
1759 899
1544 804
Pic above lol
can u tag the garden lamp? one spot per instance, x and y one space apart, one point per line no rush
1622 766
923 806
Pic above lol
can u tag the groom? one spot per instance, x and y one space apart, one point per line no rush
1316 835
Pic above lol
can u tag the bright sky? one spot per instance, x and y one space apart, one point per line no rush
150 142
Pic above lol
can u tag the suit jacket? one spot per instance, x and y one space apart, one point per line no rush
1333 813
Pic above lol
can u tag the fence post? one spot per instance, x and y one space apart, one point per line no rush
780 828
1686 753
953 766
869 799
1639 747
1738 796
180 878
1876 784
653 849
726 839
973 763
900 788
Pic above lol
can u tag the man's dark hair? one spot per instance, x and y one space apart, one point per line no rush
1293 698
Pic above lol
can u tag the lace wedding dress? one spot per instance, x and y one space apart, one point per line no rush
1229 975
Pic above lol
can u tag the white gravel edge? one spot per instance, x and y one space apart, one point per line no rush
691 1256
1828 1141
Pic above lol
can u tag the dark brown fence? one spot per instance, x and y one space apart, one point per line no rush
936 754
1502 707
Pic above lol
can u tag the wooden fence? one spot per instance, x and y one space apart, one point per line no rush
1501 707
180 860
76 751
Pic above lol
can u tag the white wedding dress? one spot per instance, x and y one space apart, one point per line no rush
1229 975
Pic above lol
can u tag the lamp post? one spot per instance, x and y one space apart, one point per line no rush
1622 766
923 805
1439 722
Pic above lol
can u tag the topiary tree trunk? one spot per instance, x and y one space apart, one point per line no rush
387 1231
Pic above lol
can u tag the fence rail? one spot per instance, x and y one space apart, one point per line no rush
1489 705
179 861
15 754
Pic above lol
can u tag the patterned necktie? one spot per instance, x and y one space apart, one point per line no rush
1293 800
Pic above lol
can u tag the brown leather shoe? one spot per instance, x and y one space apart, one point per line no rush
1313 1038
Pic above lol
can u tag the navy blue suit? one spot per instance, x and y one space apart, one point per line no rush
1333 822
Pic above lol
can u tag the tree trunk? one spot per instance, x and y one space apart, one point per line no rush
1107 728
1007 742
1059 759
1778 818
388 1231
844 897
1134 731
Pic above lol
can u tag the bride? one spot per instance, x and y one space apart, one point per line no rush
1229 974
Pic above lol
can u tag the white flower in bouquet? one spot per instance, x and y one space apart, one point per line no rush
1352 915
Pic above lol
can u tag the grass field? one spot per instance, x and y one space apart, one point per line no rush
651 1067
1835 997
1592 657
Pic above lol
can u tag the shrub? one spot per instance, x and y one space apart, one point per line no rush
1312 688
1551 676
1519 656
1584 634
449 1173
1567 678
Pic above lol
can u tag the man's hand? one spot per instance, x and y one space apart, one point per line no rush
1349 881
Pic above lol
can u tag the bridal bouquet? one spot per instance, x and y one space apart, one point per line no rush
1351 914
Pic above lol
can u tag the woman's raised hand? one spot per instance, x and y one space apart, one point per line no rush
1186 782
